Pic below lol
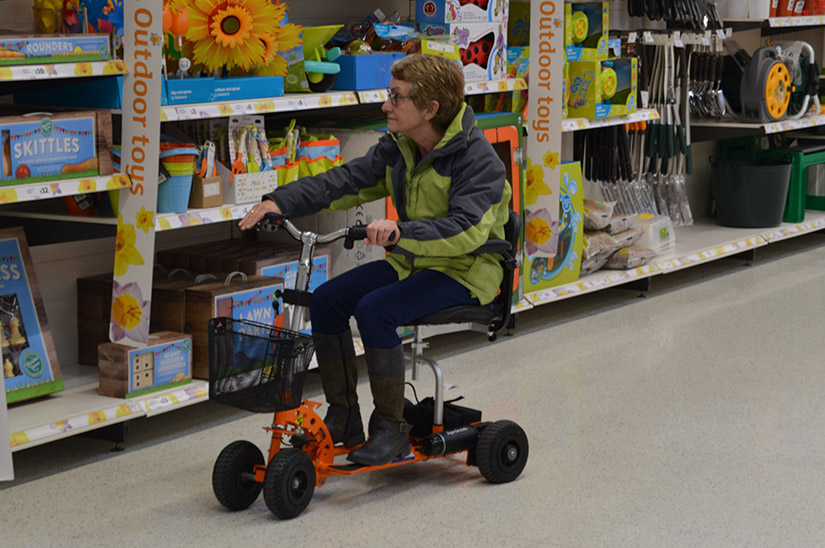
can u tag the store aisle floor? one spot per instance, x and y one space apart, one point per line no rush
693 417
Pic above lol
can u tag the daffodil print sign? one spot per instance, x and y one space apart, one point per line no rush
543 172
135 238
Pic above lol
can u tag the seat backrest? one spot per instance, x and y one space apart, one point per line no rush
509 263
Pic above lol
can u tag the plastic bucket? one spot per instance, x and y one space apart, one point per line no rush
750 193
179 161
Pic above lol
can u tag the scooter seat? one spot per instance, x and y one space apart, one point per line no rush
460 314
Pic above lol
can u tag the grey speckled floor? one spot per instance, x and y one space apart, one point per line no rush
693 417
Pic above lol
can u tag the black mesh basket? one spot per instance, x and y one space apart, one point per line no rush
255 366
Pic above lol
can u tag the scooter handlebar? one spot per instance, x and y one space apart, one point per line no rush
272 221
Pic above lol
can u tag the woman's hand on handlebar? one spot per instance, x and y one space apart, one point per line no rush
257 213
382 232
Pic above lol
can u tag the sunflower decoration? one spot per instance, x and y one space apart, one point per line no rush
240 34
282 38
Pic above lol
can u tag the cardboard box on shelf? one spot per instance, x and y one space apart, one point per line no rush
238 298
48 147
543 272
483 47
600 89
586 28
126 371
56 48
454 11
206 192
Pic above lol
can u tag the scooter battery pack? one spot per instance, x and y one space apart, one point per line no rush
420 416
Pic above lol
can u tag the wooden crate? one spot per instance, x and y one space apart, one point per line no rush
130 371
209 259
169 302
171 259
94 307
233 299
231 261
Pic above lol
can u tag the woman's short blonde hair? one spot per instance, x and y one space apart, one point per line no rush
433 78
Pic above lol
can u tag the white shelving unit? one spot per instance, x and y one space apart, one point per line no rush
373 96
63 187
81 409
20 73
806 122
578 124
287 103
698 244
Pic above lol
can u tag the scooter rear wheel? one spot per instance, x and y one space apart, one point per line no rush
232 486
289 483
501 452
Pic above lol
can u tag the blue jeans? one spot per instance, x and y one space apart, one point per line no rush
380 302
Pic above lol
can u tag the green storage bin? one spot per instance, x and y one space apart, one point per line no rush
751 193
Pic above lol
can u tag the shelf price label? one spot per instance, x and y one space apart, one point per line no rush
376 96
162 402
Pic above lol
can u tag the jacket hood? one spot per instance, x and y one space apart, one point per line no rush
458 132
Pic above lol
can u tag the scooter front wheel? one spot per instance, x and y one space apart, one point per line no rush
231 481
289 483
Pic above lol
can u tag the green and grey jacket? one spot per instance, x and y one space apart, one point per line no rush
449 202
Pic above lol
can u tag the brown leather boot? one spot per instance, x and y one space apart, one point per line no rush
388 431
339 378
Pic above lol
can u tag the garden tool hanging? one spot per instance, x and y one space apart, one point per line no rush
666 144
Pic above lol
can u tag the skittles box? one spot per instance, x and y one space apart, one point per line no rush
43 148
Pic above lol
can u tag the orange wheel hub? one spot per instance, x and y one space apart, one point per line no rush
778 91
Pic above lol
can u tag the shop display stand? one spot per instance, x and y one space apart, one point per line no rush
80 408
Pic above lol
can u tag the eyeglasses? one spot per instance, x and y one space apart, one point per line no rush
394 97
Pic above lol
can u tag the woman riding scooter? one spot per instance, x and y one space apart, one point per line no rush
450 190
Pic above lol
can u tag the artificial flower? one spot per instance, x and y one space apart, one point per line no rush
227 33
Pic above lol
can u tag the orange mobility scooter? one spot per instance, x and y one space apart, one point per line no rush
261 368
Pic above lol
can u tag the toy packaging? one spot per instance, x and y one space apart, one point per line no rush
30 365
518 24
247 299
126 371
70 48
599 89
464 11
518 66
543 272
586 31
483 47
60 146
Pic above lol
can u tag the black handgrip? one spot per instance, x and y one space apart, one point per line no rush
358 232
271 222
355 232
